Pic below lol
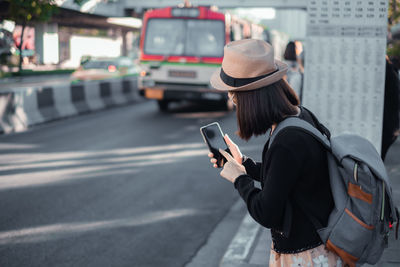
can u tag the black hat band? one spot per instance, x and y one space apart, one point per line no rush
237 82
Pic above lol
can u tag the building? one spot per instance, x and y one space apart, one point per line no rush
76 32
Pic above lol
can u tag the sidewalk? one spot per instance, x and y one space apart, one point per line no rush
250 246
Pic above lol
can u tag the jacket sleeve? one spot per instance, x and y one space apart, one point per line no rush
267 205
253 169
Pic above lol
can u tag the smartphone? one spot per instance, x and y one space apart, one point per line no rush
214 139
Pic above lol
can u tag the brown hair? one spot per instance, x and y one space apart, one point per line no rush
290 52
257 110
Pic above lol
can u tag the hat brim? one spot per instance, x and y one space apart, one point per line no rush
218 84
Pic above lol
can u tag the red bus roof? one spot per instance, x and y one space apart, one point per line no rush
204 13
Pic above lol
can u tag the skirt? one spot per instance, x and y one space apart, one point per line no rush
316 257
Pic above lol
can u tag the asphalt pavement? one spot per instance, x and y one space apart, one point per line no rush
128 186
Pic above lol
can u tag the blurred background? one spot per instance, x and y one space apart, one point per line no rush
66 33
60 35
101 101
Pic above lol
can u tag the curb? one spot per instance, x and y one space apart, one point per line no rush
239 250
211 252
21 108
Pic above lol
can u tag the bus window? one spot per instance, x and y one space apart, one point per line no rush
205 38
189 37
164 37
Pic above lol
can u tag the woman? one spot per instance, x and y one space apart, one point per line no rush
294 75
391 108
293 172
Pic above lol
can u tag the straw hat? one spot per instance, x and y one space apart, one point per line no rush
248 64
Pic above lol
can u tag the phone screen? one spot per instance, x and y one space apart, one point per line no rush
215 140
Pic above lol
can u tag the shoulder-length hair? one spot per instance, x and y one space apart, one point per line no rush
290 51
257 110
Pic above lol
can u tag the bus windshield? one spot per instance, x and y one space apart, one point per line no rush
185 37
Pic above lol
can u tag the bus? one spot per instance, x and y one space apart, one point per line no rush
180 48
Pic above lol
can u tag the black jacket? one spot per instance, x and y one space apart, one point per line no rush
391 110
295 182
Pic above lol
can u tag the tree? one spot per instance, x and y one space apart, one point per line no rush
25 11
393 12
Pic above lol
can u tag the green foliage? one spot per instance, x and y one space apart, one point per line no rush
394 12
24 11
393 49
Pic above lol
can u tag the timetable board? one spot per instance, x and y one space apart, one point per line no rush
345 65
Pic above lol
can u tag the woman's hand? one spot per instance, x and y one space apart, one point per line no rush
213 160
232 169
235 151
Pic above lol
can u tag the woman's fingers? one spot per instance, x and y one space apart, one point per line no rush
234 149
213 160
228 140
226 155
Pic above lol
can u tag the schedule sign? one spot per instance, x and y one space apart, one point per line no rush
345 65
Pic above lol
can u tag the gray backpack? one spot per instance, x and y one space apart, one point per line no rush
358 226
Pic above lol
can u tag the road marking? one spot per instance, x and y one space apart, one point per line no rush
51 232
239 249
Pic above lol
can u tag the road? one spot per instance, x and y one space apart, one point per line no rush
127 186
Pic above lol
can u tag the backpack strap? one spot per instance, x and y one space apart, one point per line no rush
397 224
302 125
319 125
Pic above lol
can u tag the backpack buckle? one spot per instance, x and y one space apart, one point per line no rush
386 239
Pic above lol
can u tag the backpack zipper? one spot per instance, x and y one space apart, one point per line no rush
355 172
383 201
383 231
